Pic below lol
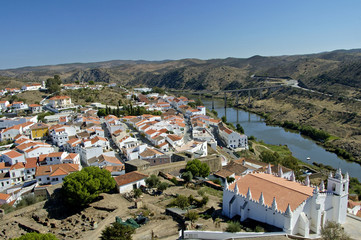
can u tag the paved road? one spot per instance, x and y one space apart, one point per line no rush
353 227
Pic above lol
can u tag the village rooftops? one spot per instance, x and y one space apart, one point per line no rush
284 191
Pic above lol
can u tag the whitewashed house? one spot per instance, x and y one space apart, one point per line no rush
295 207
6 198
54 174
11 157
129 181
175 140
231 138
19 106
17 173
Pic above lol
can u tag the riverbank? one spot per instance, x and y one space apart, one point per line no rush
325 141
337 121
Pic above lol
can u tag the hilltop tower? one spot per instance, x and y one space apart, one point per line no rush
338 185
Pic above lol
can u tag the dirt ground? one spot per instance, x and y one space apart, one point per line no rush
89 223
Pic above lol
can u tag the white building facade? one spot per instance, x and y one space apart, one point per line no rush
295 207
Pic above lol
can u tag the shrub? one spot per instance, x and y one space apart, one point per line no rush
201 192
174 181
217 181
233 227
137 192
153 181
37 236
192 216
117 231
162 186
181 201
187 176
204 200
333 230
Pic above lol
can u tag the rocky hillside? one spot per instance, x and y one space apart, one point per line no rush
333 72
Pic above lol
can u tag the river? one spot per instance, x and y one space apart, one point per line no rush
301 147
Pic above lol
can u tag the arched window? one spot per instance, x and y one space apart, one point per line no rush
333 186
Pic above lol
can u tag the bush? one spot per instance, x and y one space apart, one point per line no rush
192 216
37 236
152 181
181 201
117 231
333 230
230 179
204 201
233 227
83 187
7 208
217 181
187 176
201 192
174 181
137 192
162 186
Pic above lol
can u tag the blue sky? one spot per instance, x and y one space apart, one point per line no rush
46 32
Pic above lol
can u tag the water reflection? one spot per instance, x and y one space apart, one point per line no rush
301 147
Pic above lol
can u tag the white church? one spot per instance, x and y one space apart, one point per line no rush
295 207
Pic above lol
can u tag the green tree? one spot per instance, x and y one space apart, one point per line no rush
333 231
83 187
91 82
197 168
37 236
199 102
153 181
270 157
162 186
53 84
224 119
117 231
239 128
233 227
192 105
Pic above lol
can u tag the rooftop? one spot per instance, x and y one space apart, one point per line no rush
129 178
285 191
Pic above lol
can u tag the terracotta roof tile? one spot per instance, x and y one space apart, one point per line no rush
129 178
31 163
49 169
13 154
4 196
18 165
285 191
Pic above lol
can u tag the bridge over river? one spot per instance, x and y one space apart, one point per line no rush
235 92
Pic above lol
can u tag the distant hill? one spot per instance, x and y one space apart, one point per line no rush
327 71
